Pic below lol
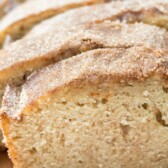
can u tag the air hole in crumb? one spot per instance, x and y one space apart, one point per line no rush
165 89
145 106
104 101
70 120
80 161
33 150
126 93
95 104
160 119
64 102
62 140
80 104
125 129
17 137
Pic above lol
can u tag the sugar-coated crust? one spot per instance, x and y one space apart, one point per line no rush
93 67
30 12
49 48
112 11
31 8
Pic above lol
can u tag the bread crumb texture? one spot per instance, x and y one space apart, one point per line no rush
100 126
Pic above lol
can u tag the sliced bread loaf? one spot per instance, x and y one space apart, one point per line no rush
104 108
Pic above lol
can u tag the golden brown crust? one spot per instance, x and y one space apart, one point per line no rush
27 53
129 10
31 12
93 67
31 8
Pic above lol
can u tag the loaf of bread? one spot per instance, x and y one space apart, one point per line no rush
103 108
23 17
87 87
153 12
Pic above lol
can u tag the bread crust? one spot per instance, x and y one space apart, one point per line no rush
96 67
31 12
150 12
31 54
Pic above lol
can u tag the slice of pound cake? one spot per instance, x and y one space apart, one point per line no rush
104 108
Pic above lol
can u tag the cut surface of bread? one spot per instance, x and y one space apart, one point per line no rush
153 12
104 108
32 12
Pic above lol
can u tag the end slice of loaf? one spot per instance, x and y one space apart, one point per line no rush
23 17
151 12
104 108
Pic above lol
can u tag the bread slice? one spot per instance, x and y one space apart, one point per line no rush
27 55
153 12
104 108
30 13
